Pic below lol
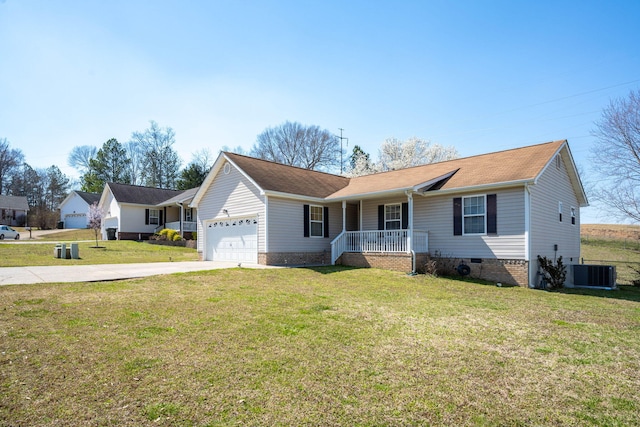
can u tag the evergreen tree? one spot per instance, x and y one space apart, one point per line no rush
111 164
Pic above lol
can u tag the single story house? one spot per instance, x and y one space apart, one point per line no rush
74 209
13 210
494 212
133 212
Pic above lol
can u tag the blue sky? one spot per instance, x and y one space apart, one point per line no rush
478 75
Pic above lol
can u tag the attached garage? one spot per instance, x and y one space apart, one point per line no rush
232 240
75 220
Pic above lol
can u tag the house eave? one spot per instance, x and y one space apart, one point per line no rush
371 195
477 188
269 193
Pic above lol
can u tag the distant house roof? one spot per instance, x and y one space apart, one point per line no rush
515 166
90 198
139 195
18 203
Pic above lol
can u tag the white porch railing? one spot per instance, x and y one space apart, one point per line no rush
186 225
378 241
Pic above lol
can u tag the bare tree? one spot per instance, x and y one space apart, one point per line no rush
80 157
95 219
136 155
160 162
10 161
237 149
293 144
616 156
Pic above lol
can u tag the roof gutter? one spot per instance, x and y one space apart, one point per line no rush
270 193
372 195
478 187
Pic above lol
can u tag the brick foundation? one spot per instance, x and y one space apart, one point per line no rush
294 258
134 236
506 271
387 261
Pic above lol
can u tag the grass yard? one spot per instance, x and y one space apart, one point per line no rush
612 244
322 346
109 252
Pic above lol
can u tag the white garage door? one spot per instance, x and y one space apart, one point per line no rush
77 220
233 240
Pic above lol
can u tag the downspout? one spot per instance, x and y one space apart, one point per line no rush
410 233
527 232
181 216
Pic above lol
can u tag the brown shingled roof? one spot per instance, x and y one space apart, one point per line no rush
515 165
125 193
272 176
520 164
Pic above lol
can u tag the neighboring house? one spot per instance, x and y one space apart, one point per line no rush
136 213
494 212
74 209
13 210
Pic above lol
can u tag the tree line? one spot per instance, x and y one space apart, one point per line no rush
149 159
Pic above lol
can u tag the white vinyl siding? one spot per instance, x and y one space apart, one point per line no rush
75 207
546 230
434 214
239 196
286 226
370 211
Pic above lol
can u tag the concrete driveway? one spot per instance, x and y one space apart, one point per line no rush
100 272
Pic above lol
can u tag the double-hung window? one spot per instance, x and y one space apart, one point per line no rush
393 217
188 215
154 216
474 217
316 221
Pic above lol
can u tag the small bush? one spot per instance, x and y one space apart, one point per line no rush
169 235
431 266
555 273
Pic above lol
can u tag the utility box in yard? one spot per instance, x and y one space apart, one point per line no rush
75 251
594 276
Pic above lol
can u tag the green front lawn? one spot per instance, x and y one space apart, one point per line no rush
324 346
109 252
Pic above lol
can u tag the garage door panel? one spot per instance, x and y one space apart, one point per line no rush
233 240
75 221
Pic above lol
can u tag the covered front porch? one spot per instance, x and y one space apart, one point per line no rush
380 241
395 235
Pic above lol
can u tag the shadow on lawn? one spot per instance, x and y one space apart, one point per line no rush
623 292
329 269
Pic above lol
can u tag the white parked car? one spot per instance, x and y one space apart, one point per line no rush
7 232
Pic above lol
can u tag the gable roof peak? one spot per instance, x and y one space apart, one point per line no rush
273 162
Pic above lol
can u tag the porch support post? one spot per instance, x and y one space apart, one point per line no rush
344 216
410 222
181 223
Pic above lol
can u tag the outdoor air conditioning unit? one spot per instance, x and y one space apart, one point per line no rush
602 276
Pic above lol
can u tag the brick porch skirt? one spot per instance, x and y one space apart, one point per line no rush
294 258
506 271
